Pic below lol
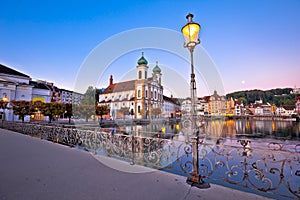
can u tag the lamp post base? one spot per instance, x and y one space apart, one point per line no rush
197 182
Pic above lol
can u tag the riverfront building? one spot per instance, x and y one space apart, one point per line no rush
171 107
143 97
18 86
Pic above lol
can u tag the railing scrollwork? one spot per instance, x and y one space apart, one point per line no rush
272 167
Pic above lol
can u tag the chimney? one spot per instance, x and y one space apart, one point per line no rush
111 80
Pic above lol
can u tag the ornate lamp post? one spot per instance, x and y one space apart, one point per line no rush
190 32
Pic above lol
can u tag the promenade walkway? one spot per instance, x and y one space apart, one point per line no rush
31 168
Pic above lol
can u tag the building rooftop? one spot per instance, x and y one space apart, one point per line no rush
39 85
120 87
6 70
172 100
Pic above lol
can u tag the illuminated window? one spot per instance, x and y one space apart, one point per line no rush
139 93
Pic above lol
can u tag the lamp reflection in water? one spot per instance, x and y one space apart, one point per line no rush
190 32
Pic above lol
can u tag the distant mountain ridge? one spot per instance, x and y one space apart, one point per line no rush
278 96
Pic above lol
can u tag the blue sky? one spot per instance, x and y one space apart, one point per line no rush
254 44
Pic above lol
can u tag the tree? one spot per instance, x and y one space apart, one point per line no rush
87 106
89 96
84 111
125 111
242 100
69 111
22 108
102 110
52 109
274 96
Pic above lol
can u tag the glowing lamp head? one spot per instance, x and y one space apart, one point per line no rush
190 32
5 99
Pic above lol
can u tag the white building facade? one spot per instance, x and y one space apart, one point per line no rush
141 96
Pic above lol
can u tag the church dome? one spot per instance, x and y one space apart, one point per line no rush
156 68
142 60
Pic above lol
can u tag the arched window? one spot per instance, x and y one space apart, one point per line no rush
140 74
155 95
139 93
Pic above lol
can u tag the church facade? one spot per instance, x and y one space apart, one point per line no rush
143 96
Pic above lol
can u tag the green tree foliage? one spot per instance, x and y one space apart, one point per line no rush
275 96
102 110
89 96
84 111
87 106
52 109
22 108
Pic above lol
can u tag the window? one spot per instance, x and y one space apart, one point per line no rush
139 93
139 109
140 74
155 95
145 74
146 94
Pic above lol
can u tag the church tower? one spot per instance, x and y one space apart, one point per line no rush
142 68
156 90
141 88
157 73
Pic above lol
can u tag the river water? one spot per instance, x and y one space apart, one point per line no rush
258 156
228 129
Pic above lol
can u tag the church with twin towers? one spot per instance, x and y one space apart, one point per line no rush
142 96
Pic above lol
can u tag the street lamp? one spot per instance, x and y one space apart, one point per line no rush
190 32
5 101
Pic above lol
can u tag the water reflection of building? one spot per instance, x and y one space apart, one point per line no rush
252 128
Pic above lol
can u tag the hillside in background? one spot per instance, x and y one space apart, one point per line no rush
275 96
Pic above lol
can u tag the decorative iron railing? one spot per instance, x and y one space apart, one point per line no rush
269 167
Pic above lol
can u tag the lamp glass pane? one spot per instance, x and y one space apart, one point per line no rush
190 32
